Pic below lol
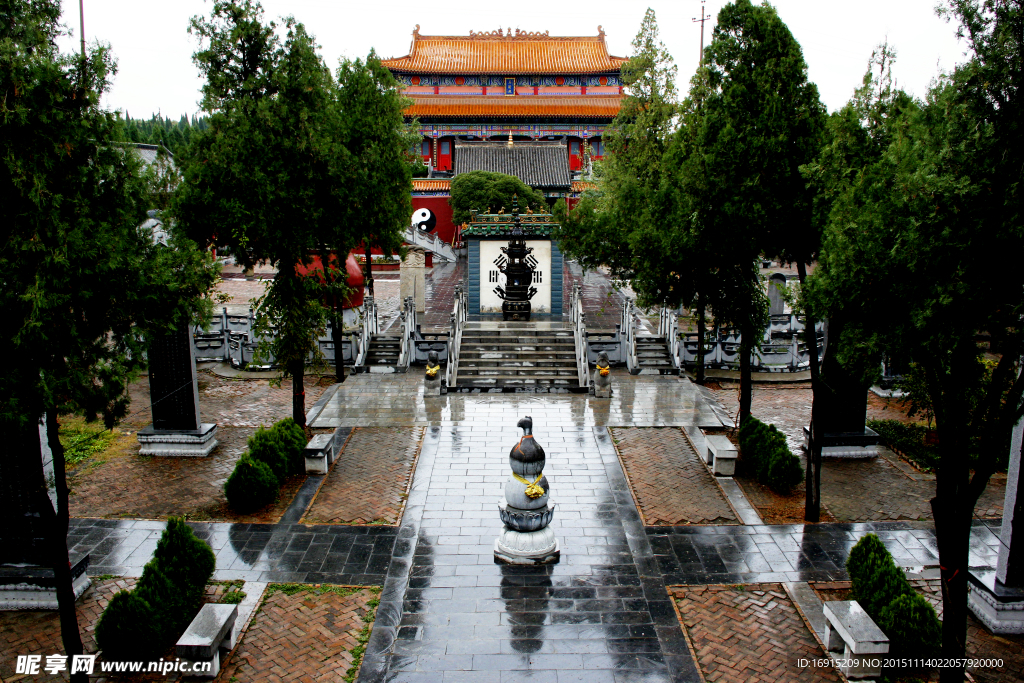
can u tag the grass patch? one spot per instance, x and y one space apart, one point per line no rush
82 440
360 649
232 597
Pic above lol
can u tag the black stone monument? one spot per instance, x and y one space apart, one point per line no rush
174 391
27 580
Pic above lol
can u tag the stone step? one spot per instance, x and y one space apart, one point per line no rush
509 380
519 346
533 373
515 363
498 355
517 340
517 332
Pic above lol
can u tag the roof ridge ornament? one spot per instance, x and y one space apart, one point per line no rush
509 35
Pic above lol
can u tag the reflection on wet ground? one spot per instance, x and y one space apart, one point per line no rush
602 609
299 553
392 400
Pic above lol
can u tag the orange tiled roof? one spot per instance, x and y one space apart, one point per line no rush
438 106
498 53
430 184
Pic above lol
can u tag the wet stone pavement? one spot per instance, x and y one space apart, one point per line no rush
448 612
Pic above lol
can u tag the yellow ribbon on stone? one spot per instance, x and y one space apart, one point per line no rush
432 371
604 371
532 489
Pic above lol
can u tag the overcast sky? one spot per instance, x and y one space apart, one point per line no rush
154 50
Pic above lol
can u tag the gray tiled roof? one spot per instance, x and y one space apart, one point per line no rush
148 153
538 164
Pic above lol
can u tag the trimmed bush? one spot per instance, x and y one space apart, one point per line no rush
783 470
767 457
877 581
126 629
188 563
251 486
292 440
143 623
913 628
882 589
265 446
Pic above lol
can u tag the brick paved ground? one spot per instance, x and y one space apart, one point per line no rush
671 485
377 461
308 635
747 634
878 489
119 483
788 407
38 633
980 643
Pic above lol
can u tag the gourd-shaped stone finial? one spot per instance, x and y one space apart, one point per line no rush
526 511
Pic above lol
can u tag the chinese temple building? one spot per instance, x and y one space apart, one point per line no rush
472 95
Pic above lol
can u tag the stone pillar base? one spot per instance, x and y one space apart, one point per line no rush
1000 608
33 587
505 555
178 443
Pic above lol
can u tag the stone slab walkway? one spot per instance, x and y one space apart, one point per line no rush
692 555
393 400
449 613
671 484
297 553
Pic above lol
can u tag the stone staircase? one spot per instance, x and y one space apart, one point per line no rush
511 357
384 351
653 357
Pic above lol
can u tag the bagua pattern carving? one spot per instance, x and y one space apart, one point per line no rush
517 266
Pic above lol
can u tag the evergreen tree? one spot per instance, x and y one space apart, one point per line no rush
759 119
920 254
613 225
83 286
483 191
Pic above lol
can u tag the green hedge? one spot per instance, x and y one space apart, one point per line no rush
273 455
143 623
907 439
767 457
882 589
280 447
251 485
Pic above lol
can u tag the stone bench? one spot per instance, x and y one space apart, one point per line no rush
211 631
721 455
319 453
850 630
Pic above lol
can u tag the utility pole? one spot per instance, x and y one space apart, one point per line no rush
81 14
703 17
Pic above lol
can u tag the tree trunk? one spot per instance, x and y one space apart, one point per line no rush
952 534
812 478
336 339
699 370
746 384
69 632
369 270
297 370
